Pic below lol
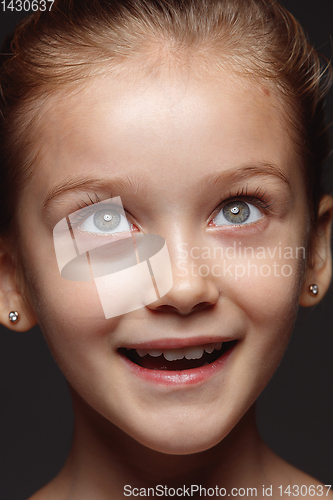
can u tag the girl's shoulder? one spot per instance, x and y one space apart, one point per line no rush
54 490
288 482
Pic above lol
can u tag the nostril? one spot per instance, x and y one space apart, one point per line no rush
203 305
187 297
166 308
183 310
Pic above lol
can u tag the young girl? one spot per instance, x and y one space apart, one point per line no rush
161 219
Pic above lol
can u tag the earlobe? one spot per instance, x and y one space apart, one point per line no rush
11 299
319 267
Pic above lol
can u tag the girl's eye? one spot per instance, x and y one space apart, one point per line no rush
105 221
237 212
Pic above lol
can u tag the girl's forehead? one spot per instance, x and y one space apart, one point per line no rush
163 105
162 89
177 122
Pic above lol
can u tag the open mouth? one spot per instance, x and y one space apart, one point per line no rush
177 359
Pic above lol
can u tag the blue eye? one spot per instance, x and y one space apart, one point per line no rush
237 212
105 221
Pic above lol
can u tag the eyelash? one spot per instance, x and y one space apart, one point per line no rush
259 197
84 204
77 217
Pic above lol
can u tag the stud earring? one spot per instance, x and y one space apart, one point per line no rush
314 289
13 316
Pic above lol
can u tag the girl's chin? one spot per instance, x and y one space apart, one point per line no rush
186 447
175 442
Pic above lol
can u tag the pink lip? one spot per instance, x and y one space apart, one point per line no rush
178 378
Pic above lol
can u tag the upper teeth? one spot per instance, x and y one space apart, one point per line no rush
195 352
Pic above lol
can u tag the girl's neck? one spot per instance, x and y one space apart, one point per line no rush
104 459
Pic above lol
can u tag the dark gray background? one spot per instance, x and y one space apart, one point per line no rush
295 412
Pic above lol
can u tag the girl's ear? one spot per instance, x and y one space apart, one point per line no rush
11 298
319 267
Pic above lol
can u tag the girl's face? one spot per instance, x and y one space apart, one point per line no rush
206 163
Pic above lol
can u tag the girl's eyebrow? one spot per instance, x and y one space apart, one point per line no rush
79 183
233 175
228 176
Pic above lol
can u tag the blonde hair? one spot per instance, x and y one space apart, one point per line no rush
79 38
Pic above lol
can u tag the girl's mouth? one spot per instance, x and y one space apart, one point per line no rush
187 358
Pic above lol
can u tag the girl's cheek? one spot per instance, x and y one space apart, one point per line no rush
259 277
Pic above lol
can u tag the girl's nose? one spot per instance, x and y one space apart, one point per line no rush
191 291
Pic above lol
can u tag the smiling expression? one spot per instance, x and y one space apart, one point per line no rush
207 164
